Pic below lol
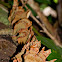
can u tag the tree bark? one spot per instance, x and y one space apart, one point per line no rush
59 10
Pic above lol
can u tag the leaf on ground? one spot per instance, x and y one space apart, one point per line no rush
54 55
56 50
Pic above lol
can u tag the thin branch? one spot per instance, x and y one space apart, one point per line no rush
45 30
3 8
24 4
43 19
42 31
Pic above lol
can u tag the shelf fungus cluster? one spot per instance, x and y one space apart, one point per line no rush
22 33
31 53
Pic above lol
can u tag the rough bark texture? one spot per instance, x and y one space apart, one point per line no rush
7 48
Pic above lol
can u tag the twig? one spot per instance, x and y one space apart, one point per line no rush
3 8
45 30
42 31
24 4
43 19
